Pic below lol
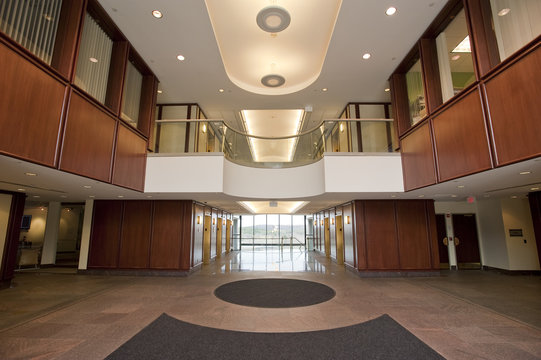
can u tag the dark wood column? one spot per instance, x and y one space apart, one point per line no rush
535 208
9 259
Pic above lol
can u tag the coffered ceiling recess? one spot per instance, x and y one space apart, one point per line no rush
273 47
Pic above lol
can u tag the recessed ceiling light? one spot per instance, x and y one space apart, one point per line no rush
93 59
455 57
390 11
157 14
149 196
21 189
393 196
87 186
160 91
514 197
463 47
366 56
273 19
30 174
91 196
180 57
63 196
461 186
387 90
36 196
421 196
504 12
534 189
120 196
453 196
324 89
273 80
221 90
525 172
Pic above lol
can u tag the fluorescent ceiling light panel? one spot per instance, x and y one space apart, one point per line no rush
272 123
263 207
464 46
294 53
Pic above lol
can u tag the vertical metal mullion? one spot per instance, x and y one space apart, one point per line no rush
39 30
20 37
13 22
47 29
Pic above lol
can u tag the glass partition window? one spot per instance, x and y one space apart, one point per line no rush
32 23
455 57
131 99
416 93
260 229
516 23
94 59
272 230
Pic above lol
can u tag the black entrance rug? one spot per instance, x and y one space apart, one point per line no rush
169 338
274 293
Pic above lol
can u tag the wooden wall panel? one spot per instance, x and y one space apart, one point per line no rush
461 139
105 236
432 231
360 235
418 159
514 105
431 74
30 109
349 236
381 240
197 257
535 210
135 237
89 136
186 247
166 234
130 159
413 239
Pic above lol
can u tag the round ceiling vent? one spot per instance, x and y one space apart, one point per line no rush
273 19
273 80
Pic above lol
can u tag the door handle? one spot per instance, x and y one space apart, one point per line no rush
445 241
457 241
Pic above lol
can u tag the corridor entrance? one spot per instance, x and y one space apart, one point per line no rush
458 243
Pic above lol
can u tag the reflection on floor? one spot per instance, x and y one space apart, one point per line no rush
462 315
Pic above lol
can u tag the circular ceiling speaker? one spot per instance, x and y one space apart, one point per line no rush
273 80
273 19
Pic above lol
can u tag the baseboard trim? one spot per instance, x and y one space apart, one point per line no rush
512 272
394 273
135 272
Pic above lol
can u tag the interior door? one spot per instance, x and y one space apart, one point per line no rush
339 240
206 239
467 250
327 238
442 234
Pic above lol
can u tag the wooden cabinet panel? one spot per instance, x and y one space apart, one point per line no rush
135 238
461 138
186 245
432 234
513 97
418 159
381 241
130 159
349 237
105 236
413 239
88 140
166 235
30 109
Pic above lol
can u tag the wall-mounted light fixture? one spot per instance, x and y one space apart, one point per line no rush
204 128
341 127
199 219
347 219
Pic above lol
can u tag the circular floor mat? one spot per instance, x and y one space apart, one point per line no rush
274 293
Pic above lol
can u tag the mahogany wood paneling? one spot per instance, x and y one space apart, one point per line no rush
88 140
465 230
105 235
66 37
432 234
535 210
130 159
135 237
513 97
418 159
31 106
167 223
461 139
413 239
186 245
197 247
360 235
117 70
380 235
11 245
147 105
399 99
431 73
349 236
442 233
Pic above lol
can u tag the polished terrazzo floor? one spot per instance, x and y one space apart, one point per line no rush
462 315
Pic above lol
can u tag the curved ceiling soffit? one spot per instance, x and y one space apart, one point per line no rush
251 53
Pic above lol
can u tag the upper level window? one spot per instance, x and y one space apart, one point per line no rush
455 57
33 24
131 100
416 93
94 60
516 23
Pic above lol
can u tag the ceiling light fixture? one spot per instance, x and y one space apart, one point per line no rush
455 57
87 186
390 11
30 174
324 89
534 189
366 56
221 90
91 196
160 91
273 19
273 80
421 196
514 197
504 12
21 189
36 196
93 59
463 47
520 173
120 196
157 14
387 90
180 57
461 186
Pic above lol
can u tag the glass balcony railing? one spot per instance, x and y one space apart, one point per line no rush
210 136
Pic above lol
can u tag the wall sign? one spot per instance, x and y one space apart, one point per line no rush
515 232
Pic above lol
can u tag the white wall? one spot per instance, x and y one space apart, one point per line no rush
455 207
363 173
493 243
516 215
5 207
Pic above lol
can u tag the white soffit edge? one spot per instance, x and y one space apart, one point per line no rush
296 53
